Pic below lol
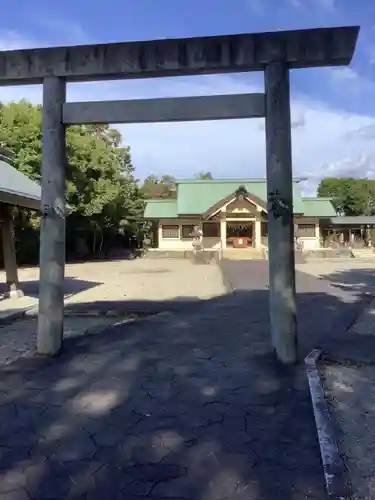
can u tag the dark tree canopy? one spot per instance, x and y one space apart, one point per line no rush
102 191
205 176
350 196
155 188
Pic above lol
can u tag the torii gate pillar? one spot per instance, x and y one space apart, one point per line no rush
52 233
283 308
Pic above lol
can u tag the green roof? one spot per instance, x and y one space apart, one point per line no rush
161 209
17 189
195 197
318 207
359 220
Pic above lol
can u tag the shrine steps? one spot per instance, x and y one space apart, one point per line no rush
244 254
364 253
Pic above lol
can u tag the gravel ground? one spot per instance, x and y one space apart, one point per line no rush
126 280
350 391
120 282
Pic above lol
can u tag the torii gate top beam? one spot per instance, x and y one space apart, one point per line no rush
175 57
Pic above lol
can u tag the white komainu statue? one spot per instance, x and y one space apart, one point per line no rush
197 235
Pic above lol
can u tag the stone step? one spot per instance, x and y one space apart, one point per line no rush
364 252
244 254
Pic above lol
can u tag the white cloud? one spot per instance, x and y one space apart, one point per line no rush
326 4
344 74
296 3
11 40
62 28
257 6
321 4
326 141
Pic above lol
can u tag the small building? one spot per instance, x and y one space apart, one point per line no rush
229 211
16 189
350 231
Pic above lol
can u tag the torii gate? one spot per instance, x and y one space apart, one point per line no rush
274 53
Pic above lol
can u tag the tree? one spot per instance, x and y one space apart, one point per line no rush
349 196
155 188
205 176
101 188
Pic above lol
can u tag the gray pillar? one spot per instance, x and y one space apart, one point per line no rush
283 313
9 254
52 234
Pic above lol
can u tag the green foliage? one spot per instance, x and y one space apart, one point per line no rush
350 196
155 188
205 176
102 192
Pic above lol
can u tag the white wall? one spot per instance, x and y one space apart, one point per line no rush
309 243
178 243
184 244
214 243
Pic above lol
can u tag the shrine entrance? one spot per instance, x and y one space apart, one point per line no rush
240 234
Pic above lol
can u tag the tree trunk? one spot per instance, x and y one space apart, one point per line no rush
94 244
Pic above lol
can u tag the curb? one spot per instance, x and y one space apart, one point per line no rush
333 465
228 286
10 318
26 311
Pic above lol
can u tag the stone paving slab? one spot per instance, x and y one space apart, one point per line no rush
349 386
176 406
18 339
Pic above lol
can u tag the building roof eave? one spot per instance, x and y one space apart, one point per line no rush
20 200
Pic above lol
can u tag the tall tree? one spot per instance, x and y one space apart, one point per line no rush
101 189
350 196
155 188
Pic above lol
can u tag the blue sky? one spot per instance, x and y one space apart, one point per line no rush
333 110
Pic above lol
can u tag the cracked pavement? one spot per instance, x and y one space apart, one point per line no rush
183 406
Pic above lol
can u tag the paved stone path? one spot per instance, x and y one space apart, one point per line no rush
350 391
19 338
351 395
187 405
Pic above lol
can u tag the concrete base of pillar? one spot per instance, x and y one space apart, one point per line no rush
13 292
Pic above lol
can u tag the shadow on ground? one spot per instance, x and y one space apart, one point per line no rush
184 405
12 308
71 286
358 280
350 393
